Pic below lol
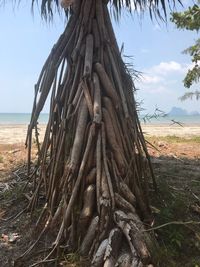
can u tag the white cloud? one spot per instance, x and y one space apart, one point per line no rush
165 73
161 84
162 79
159 90
165 68
149 79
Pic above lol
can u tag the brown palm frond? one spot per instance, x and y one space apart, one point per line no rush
155 7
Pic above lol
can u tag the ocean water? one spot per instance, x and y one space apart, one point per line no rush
24 118
169 120
21 118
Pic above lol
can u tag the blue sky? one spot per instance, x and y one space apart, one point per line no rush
156 49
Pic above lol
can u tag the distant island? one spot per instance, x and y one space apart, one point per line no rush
176 111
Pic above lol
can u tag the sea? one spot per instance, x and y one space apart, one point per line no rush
171 119
24 118
21 118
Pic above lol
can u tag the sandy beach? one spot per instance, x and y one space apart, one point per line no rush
187 131
175 156
16 133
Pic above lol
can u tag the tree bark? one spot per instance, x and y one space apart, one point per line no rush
89 165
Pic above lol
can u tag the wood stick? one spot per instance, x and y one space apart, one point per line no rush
95 33
88 99
88 56
87 9
97 100
76 81
111 137
78 45
77 95
107 85
73 197
78 140
127 194
118 81
123 204
98 258
88 205
114 245
91 176
99 170
29 152
111 34
89 237
100 18
110 186
109 106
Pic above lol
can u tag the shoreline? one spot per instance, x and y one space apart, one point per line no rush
16 133
187 130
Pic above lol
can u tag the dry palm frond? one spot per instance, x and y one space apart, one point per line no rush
190 95
155 7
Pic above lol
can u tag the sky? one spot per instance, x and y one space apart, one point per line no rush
155 49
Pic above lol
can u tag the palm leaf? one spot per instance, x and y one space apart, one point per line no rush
190 95
155 7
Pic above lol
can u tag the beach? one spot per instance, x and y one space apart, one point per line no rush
171 140
168 139
186 131
175 158
16 133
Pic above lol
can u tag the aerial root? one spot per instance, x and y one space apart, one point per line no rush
90 169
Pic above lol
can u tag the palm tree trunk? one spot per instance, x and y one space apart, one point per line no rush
92 165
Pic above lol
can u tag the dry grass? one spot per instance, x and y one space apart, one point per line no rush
178 181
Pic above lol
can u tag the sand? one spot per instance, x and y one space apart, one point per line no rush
15 134
186 131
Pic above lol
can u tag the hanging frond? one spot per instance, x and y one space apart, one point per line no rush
49 7
155 7
191 95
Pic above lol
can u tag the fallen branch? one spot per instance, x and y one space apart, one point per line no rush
169 223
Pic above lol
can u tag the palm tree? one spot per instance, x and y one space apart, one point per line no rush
93 163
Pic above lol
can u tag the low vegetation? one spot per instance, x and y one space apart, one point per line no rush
174 139
175 208
179 234
1 159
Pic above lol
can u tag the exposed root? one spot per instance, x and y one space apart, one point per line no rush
90 168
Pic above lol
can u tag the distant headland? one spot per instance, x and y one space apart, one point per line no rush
176 111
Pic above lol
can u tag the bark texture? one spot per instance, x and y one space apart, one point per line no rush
92 164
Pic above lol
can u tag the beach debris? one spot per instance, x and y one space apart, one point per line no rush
155 210
193 194
2 212
176 123
4 187
15 178
195 208
2 168
10 238
14 151
162 144
157 160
